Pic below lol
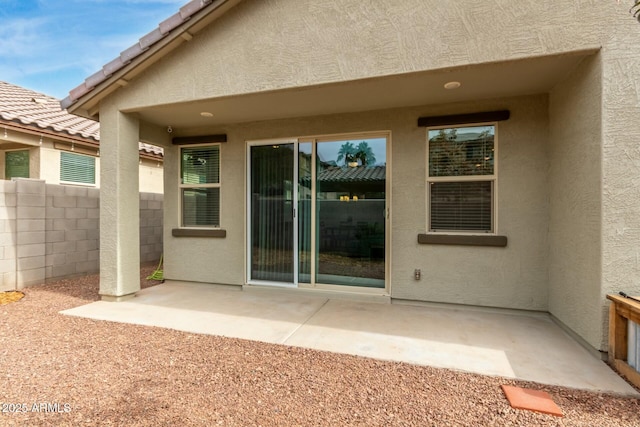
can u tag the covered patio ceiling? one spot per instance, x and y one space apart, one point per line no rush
483 81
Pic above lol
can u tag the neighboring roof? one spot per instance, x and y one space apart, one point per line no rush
30 109
34 109
151 149
348 174
128 55
339 179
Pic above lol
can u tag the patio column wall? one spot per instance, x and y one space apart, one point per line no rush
620 166
575 217
119 204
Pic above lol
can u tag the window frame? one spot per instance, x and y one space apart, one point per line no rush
493 178
82 184
6 177
182 186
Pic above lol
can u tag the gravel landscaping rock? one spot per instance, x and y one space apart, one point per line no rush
62 370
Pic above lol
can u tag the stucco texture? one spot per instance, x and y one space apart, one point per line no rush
514 277
278 44
575 249
568 198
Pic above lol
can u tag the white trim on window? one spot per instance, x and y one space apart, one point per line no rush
493 178
182 186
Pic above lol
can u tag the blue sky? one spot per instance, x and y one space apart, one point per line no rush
51 46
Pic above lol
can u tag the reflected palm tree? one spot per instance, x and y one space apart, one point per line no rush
362 154
346 152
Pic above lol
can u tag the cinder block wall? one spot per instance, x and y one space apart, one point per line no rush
7 235
50 231
150 226
72 231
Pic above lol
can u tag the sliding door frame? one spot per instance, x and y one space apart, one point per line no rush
248 223
314 140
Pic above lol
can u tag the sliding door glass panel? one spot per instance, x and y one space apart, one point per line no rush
350 212
272 219
304 212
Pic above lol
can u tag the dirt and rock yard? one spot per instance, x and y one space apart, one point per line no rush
59 370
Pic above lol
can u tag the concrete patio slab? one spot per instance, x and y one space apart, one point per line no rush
525 346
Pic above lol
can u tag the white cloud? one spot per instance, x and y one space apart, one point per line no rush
19 37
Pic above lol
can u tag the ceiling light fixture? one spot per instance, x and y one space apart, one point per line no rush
206 114
452 85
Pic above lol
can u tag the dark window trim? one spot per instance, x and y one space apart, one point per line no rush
464 240
188 232
204 139
464 119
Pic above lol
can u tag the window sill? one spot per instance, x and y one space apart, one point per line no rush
463 240
192 232
78 184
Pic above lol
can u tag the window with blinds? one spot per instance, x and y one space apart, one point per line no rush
200 186
16 164
77 168
462 177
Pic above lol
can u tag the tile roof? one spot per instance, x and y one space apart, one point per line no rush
347 174
151 149
164 28
31 109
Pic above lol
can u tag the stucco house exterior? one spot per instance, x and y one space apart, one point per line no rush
39 140
481 153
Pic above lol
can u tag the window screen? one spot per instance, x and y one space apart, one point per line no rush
17 164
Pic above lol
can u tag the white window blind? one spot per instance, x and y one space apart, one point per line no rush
461 206
200 186
77 168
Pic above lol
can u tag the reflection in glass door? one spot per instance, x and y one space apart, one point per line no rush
350 212
271 213
317 212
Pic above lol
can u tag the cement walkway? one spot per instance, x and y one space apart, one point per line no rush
526 346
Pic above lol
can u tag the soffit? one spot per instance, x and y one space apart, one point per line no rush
482 81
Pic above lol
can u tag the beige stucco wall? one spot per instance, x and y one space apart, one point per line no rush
275 44
50 171
44 163
621 164
151 176
514 277
595 197
575 241
301 43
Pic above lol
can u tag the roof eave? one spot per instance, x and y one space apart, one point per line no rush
51 133
85 99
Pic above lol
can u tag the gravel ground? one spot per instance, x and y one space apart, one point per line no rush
86 372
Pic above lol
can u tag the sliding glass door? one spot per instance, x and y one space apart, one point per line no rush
317 212
350 212
272 212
